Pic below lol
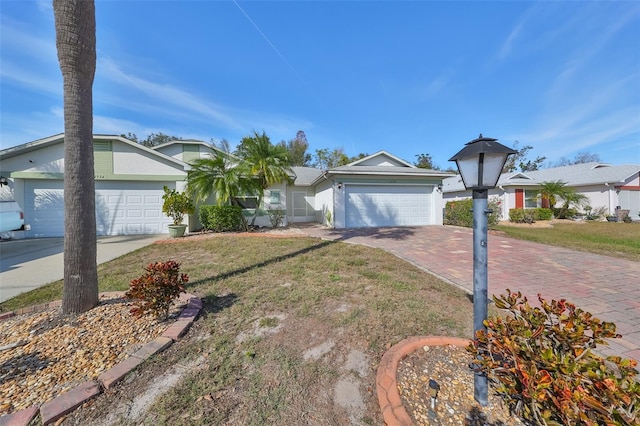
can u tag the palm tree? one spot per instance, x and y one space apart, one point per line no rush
225 176
75 24
268 164
553 191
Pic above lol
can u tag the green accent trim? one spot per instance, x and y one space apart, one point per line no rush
190 153
60 176
102 158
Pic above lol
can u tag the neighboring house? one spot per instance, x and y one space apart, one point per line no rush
604 185
379 190
129 181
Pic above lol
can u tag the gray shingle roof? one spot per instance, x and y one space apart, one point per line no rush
306 176
388 170
574 175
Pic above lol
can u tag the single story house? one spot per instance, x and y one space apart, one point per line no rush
379 190
605 186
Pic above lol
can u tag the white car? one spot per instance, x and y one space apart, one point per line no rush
11 216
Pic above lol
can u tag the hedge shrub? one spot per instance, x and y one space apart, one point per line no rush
522 215
530 215
460 213
222 218
543 214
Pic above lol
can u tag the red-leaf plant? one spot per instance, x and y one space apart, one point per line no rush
540 362
156 290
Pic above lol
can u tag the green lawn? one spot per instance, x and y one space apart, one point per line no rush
614 239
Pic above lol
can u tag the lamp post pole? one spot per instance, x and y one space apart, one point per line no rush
480 163
480 282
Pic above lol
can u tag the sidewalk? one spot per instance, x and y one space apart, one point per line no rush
31 263
607 287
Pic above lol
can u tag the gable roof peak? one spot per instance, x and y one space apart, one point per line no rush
381 154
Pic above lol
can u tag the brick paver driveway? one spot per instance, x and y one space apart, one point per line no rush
607 287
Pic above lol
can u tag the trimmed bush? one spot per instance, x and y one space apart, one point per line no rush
155 291
460 213
540 362
276 217
522 215
543 214
564 213
222 218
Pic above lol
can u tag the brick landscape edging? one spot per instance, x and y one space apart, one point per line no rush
389 399
65 403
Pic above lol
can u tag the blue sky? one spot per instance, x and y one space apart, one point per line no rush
406 77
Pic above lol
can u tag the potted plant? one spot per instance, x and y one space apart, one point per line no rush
176 205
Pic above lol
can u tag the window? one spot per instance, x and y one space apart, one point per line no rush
275 197
247 202
530 199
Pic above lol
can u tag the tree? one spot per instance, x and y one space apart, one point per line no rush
580 158
297 149
424 161
154 139
357 157
222 145
75 24
131 136
226 176
519 160
268 163
551 192
325 159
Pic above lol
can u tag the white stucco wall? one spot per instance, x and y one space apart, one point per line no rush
128 159
324 203
49 159
282 188
174 150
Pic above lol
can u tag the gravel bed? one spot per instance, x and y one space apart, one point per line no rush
44 354
448 366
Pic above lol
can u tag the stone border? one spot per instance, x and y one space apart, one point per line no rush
389 399
65 403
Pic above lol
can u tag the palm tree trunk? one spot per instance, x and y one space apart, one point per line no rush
76 44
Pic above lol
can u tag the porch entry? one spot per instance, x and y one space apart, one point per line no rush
301 210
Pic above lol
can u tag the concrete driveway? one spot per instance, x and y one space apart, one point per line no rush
607 287
30 263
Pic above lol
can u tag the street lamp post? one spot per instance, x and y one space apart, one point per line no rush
480 163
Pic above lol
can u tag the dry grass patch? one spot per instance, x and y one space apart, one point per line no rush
291 333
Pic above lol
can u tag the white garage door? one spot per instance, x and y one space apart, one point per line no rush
371 206
122 208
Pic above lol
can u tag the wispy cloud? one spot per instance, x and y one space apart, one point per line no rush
273 47
20 39
517 32
507 45
29 127
575 131
178 104
172 97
